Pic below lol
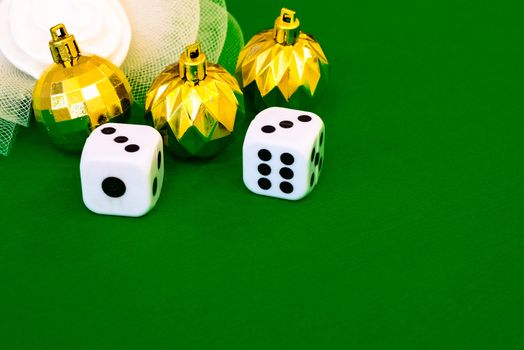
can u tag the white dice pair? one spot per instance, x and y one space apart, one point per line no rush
122 166
283 153
122 169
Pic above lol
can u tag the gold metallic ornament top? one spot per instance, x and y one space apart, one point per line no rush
78 92
286 28
195 105
64 48
283 65
193 64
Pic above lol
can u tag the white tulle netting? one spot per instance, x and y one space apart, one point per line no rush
15 102
15 93
158 37
7 134
160 31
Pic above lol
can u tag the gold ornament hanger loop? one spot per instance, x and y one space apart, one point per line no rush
193 63
286 29
63 46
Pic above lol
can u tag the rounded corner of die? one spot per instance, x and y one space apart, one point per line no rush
271 109
250 186
245 180
92 208
157 134
297 198
140 214
322 124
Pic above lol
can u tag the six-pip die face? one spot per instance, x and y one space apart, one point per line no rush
283 153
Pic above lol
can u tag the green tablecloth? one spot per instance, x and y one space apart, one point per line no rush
413 238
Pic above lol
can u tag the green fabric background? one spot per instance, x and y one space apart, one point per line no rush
413 238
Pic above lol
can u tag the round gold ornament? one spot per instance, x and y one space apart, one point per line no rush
78 92
195 105
282 66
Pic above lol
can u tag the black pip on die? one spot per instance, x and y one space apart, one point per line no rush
283 153
122 169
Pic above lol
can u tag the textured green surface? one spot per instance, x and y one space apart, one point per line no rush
413 238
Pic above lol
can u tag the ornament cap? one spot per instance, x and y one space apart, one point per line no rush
286 29
193 63
63 46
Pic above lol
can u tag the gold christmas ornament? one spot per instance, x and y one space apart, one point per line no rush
78 92
282 66
195 105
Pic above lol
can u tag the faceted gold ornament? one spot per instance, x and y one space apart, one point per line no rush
282 66
78 92
195 105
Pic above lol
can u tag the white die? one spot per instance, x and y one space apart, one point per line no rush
122 169
283 153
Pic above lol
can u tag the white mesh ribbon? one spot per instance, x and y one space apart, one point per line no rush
7 135
15 102
143 37
158 37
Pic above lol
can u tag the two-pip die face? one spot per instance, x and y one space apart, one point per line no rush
122 169
283 153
